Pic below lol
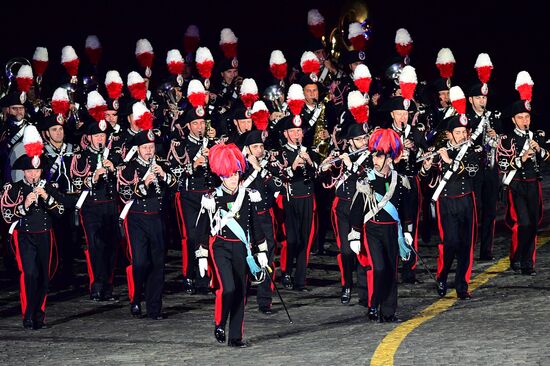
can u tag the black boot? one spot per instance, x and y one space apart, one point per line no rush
237 343
188 286
441 288
373 313
219 333
28 324
345 297
287 281
135 309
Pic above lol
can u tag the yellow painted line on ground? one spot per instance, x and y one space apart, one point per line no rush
385 352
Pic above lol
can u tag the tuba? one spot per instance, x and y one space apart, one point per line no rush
10 71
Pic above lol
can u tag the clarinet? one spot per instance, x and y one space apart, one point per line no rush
534 157
35 186
207 175
105 175
153 162
304 168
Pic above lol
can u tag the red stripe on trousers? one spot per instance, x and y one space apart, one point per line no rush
130 268
440 258
370 272
22 289
312 231
473 241
219 291
87 253
334 219
183 233
514 217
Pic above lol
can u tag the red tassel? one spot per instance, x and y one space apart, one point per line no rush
60 106
260 119
98 112
197 99
407 90
446 70
205 69
39 67
361 113
484 73
525 92
296 106
176 68
229 50
145 59
24 84
145 121
72 67
34 149
249 99
190 44
114 90
318 30
459 105
94 54
403 50
226 159
279 71
363 84
311 66
358 42
138 91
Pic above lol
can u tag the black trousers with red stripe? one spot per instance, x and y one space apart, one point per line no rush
382 249
486 187
347 259
188 211
409 266
99 221
33 254
146 239
300 231
457 223
523 216
229 259
265 289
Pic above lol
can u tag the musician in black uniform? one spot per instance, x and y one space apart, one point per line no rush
343 177
455 205
142 183
188 158
486 181
378 209
520 156
30 205
298 165
414 143
93 176
230 228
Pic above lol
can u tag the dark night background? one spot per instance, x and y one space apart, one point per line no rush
515 36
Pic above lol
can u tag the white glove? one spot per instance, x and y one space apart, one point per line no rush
355 245
203 266
262 259
408 239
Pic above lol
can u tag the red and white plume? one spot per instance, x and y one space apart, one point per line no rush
445 63
96 105
458 99
310 63
93 49
145 55
278 65
357 105
362 78
34 146
40 60
260 115
70 60
137 86
174 62
60 101
407 82
196 94
316 23
113 84
228 43
249 92
524 85
403 42
24 78
204 62
295 99
191 39
143 118
356 35
483 67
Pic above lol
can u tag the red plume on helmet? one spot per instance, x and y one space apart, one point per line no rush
357 105
24 78
356 35
204 62
316 23
60 102
225 160
70 60
143 118
33 144
408 82
483 67
445 63
93 49
137 86
174 62
260 115
40 60
362 78
113 84
295 99
458 99
191 39
278 65
524 85
196 94
96 105
310 63
228 43
145 55
403 42
249 92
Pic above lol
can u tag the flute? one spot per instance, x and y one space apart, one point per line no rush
446 148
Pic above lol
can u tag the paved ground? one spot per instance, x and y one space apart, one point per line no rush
506 323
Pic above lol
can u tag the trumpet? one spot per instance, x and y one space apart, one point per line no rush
454 147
